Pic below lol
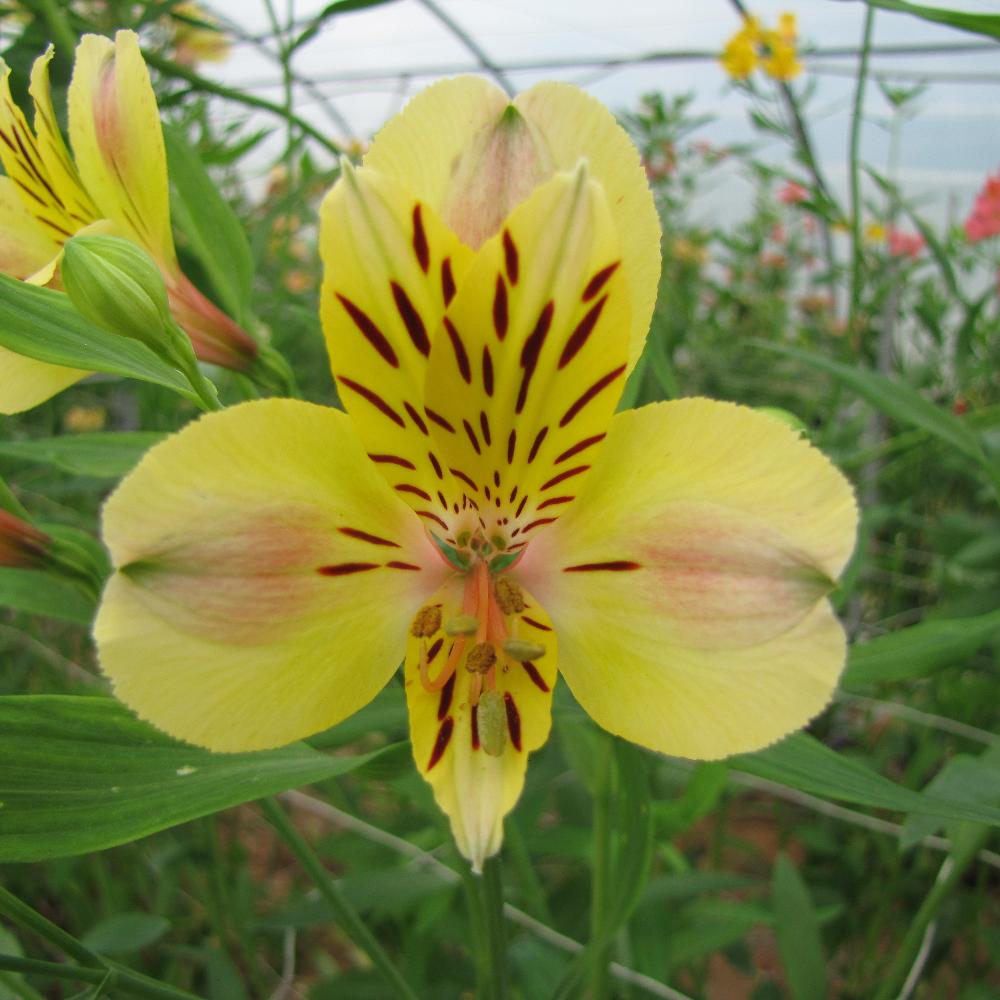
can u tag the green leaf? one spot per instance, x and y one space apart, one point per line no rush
102 454
40 593
801 761
125 932
899 401
81 774
918 650
797 930
42 324
977 24
213 230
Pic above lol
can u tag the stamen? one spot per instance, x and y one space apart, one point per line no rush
427 622
481 658
491 723
462 625
522 650
509 596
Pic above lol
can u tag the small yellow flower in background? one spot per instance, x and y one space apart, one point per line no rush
80 419
875 232
490 273
197 36
115 183
688 252
773 50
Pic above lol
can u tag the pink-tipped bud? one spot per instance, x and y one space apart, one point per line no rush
22 545
502 165
214 336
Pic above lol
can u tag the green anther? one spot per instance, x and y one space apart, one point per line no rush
491 722
518 649
463 539
462 625
499 542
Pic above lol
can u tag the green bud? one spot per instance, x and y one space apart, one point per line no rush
491 722
115 284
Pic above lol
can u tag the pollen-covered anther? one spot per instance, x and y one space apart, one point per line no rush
481 658
509 596
462 625
427 622
491 721
523 651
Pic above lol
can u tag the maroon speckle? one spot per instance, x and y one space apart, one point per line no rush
539 523
392 460
411 319
446 694
552 501
370 331
416 418
436 464
395 564
415 490
599 280
431 516
615 565
501 317
487 371
536 678
513 720
465 479
531 350
599 386
578 447
441 743
436 418
484 426
510 257
511 445
534 624
346 569
583 330
537 443
373 397
472 436
474 717
568 474
364 536
520 506
461 357
420 247
447 281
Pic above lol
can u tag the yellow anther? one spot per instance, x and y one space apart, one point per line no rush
491 723
462 625
427 622
509 596
481 658
518 649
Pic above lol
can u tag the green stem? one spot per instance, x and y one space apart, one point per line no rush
600 976
496 936
59 25
950 874
108 974
171 69
24 916
855 161
348 918
472 887
23 989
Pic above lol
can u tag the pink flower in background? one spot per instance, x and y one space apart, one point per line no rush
984 219
903 244
778 233
791 193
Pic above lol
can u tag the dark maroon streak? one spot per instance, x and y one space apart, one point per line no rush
582 332
510 257
487 371
416 418
364 536
534 624
446 693
436 418
513 720
369 331
420 247
578 447
568 474
392 460
531 351
345 569
461 357
373 397
536 678
472 436
599 386
447 281
441 743
616 565
598 281
411 319
501 318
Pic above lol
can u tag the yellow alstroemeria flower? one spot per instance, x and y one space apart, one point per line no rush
115 182
481 506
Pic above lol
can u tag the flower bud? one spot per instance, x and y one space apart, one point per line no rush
502 165
116 285
22 545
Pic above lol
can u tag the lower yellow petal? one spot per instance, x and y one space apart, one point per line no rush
687 580
265 578
25 382
25 247
475 755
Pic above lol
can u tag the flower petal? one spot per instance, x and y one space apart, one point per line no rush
114 128
421 145
527 372
266 578
25 382
390 268
477 789
25 246
687 581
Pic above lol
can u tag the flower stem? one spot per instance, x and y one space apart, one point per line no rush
496 936
600 978
348 918
855 162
